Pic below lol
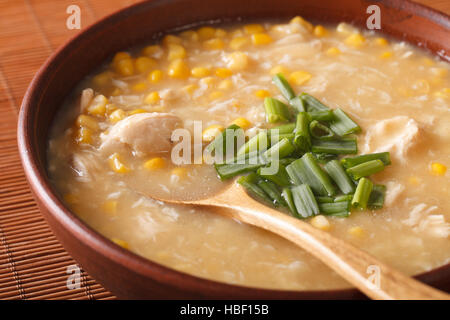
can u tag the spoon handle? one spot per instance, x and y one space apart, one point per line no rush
372 277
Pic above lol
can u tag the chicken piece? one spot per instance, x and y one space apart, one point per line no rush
396 135
85 165
86 97
394 190
144 133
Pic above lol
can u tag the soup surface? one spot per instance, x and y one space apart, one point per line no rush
111 145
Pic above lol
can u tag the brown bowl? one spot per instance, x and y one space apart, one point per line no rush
123 272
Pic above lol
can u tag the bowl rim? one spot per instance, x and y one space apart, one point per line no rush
46 194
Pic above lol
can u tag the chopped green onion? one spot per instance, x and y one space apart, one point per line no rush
337 173
259 143
231 136
365 169
323 115
249 182
304 200
275 139
351 162
347 197
302 138
272 191
283 129
320 131
276 111
298 104
324 199
289 200
312 104
325 157
280 150
307 170
229 170
343 124
340 209
343 146
283 85
362 193
376 199
286 161
280 177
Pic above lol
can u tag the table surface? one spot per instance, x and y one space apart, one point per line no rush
33 265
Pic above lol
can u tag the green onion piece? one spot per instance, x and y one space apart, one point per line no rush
312 104
230 136
283 85
351 162
337 173
304 200
282 129
343 146
289 200
275 139
324 199
307 170
286 161
229 170
272 191
376 199
302 138
362 193
281 177
276 111
323 115
325 157
249 182
298 104
339 209
343 124
347 197
259 143
365 169
320 131
280 150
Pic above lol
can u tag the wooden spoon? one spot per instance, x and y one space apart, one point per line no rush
372 277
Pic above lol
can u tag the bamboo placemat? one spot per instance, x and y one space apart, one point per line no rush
33 265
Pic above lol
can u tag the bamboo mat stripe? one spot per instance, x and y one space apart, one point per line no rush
33 264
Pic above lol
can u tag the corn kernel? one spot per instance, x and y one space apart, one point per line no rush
179 69
117 115
208 81
200 72
214 44
438 169
355 40
136 111
386 55
139 87
189 35
121 56
210 133
262 93
333 51
279 69
102 79
110 108
110 207
87 121
206 33
299 20
381 41
98 105
216 95
125 67
154 51
176 51
220 33
116 165
356 231
237 61
190 88
238 43
155 164
116 92
413 180
299 77
155 76
84 136
226 84
261 39
428 62
171 39
320 31
253 28
320 222
144 64
440 72
152 98
121 243
242 122
345 28
71 198
223 72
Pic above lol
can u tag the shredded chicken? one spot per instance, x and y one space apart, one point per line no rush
86 97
